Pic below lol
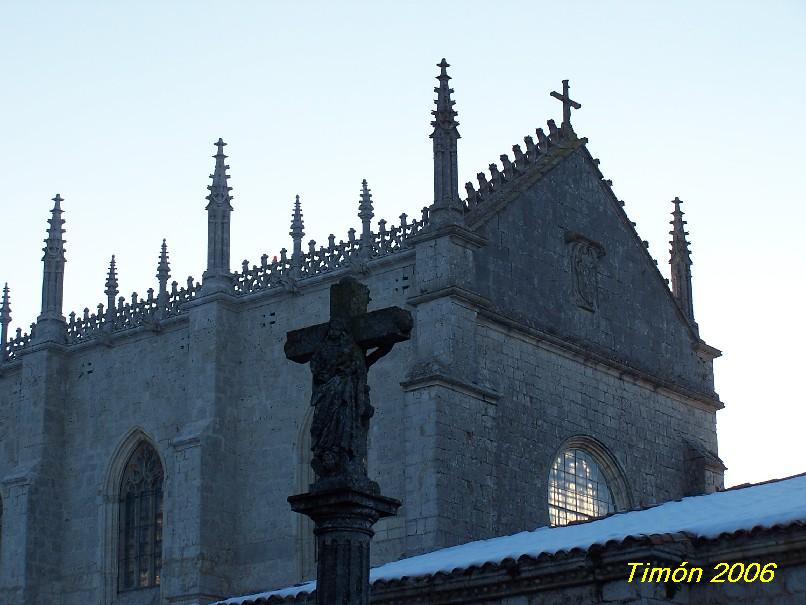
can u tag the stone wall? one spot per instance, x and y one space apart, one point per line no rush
528 274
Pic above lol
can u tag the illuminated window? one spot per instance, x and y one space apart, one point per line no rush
140 559
578 490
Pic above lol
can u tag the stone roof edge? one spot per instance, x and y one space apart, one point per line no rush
555 154
546 162
631 226
599 562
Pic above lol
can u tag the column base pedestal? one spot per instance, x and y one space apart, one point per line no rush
344 518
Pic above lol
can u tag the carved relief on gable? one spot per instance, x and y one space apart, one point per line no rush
584 255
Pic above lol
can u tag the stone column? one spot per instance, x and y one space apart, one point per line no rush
344 519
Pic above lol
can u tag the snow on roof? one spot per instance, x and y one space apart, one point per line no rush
762 505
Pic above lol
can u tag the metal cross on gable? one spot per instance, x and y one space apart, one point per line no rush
567 103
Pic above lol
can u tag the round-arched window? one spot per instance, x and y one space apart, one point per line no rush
578 488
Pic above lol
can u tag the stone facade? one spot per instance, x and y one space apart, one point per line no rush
539 319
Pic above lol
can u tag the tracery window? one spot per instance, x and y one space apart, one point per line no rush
578 489
140 545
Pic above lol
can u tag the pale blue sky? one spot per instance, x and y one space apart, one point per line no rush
116 105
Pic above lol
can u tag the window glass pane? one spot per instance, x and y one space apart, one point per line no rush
577 489
140 562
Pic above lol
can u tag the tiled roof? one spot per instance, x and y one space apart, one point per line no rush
741 509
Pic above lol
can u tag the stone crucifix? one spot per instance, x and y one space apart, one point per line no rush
567 102
343 502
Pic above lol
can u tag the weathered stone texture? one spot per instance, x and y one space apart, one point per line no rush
527 274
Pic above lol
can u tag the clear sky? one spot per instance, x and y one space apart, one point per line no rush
116 105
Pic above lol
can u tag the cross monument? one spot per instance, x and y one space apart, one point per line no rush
343 502
565 98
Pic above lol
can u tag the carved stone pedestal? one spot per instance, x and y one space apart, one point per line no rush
344 518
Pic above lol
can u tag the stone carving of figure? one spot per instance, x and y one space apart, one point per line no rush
341 403
586 278
584 265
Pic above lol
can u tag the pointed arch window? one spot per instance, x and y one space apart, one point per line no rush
140 550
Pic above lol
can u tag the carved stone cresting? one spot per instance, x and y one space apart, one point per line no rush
584 255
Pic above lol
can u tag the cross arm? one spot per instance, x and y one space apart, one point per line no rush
300 345
564 99
382 328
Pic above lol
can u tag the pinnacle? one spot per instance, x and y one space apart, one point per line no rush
54 243
163 268
219 190
679 241
220 144
297 225
365 208
164 253
5 306
443 65
111 279
444 113
366 195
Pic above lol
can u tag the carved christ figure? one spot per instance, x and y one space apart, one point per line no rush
341 403
337 351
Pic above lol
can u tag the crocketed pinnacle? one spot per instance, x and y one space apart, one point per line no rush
365 212
163 268
54 244
111 280
218 276
444 114
297 226
447 207
679 243
297 232
219 190
5 319
680 261
53 274
5 306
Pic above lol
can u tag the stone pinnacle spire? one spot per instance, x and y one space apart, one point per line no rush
53 276
111 290
219 190
163 274
365 213
447 207
217 276
297 233
5 320
680 261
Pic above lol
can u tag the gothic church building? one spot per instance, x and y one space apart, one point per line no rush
148 445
